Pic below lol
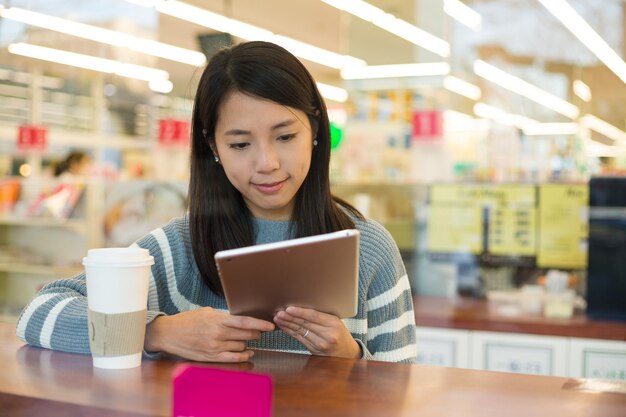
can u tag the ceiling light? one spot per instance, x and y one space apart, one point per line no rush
242 30
106 36
457 85
585 33
397 70
331 92
454 121
161 86
598 125
462 13
525 89
392 24
315 54
582 90
212 20
510 119
93 63
144 3
598 149
66 26
551 129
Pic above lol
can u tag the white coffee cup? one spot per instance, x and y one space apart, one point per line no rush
117 297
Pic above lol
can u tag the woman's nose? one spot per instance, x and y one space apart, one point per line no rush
267 159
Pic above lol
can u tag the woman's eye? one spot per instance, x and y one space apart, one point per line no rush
287 137
241 145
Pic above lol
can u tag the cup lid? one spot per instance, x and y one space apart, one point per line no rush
119 257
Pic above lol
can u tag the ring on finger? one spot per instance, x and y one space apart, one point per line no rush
305 334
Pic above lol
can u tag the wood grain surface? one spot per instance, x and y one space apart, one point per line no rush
36 381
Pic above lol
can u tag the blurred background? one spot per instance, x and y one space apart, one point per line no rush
488 136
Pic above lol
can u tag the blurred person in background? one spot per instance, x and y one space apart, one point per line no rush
75 164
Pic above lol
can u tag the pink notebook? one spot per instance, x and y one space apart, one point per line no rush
201 391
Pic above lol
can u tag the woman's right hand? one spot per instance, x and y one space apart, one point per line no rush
205 334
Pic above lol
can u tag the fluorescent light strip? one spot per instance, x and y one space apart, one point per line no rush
331 92
598 149
158 79
459 86
89 62
212 20
161 86
454 121
392 24
582 90
106 36
464 14
585 33
242 30
511 119
144 3
525 89
315 54
397 70
551 129
598 125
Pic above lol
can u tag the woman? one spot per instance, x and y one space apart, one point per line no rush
75 164
259 173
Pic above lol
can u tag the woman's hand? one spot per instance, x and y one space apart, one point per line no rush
205 335
323 334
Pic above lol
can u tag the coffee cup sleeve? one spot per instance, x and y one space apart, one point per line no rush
117 334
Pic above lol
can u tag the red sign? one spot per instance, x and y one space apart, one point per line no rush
174 132
427 124
32 138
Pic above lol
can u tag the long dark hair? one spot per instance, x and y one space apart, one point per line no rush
74 157
218 216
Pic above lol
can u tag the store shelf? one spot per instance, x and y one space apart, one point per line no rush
83 139
21 268
76 224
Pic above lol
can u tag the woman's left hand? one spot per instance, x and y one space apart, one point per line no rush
323 334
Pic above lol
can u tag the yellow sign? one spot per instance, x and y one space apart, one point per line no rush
484 195
457 219
512 232
563 225
455 229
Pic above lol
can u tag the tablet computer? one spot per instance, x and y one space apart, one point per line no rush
319 272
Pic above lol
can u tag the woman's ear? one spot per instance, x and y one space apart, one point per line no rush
212 145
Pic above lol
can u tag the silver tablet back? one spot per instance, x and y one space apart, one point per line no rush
319 272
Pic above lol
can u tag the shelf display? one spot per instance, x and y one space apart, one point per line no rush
50 227
133 209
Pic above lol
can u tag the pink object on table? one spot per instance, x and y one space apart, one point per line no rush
200 391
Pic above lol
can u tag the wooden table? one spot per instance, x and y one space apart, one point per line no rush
39 382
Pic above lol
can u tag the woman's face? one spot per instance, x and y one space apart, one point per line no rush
265 149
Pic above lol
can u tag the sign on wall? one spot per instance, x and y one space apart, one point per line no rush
32 138
174 132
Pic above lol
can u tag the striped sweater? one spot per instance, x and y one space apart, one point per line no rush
384 325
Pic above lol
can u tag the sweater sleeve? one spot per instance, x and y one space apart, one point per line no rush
390 315
56 318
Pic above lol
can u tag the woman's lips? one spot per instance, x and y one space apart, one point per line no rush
270 188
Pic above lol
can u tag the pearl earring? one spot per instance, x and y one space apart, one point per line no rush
314 142
217 159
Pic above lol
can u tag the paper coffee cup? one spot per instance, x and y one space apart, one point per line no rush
117 297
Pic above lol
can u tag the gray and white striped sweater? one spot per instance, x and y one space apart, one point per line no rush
384 325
